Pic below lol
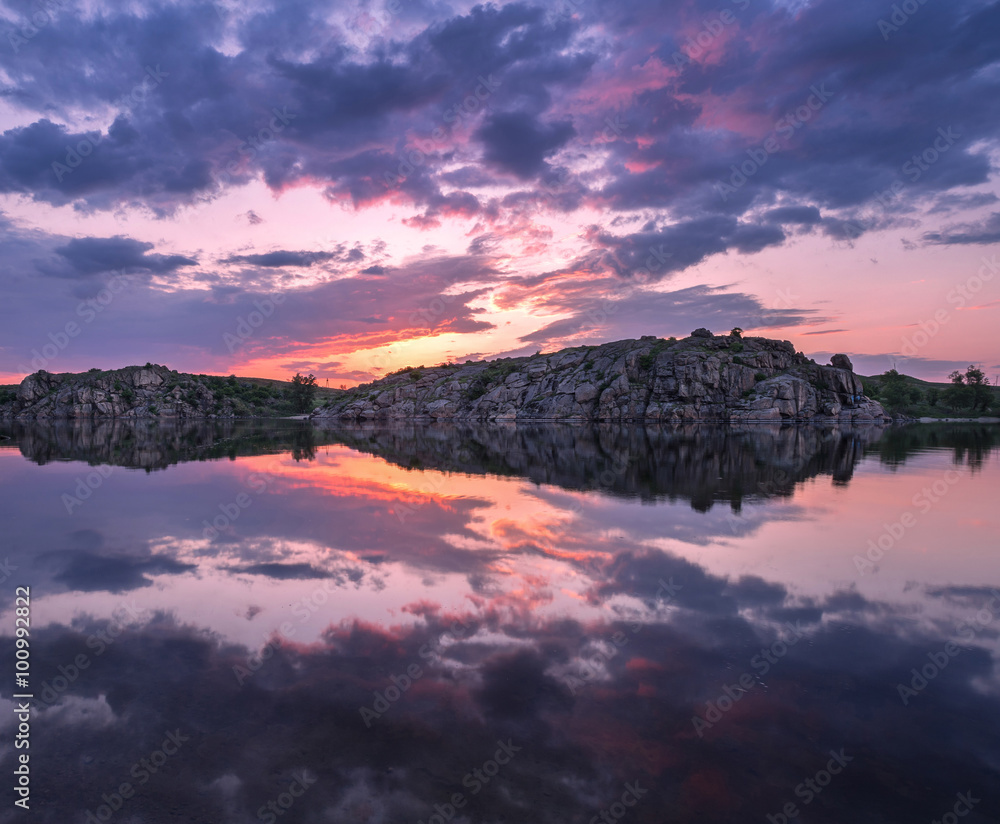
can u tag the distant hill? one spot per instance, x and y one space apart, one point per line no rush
928 399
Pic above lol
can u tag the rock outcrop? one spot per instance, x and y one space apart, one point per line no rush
150 391
703 377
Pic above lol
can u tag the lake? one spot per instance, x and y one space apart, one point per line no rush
268 621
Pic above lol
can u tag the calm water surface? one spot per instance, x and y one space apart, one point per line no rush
270 622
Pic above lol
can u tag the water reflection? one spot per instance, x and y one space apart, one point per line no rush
700 463
384 610
154 445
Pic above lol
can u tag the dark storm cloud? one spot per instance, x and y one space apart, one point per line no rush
674 248
675 312
807 215
205 99
283 572
282 258
852 145
90 572
516 143
983 233
207 118
90 256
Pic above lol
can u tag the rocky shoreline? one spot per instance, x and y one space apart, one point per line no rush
704 377
137 392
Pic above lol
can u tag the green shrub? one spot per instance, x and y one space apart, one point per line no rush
759 376
476 389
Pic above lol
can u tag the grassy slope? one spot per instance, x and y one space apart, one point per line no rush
924 410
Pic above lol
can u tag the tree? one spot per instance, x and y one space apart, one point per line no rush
957 395
303 391
978 388
737 332
894 391
933 393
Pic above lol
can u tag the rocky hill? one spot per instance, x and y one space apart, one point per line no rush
702 377
149 391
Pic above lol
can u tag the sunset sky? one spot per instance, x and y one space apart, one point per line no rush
409 182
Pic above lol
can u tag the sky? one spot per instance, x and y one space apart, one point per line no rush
344 188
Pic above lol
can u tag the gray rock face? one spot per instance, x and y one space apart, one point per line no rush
842 362
713 378
132 392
